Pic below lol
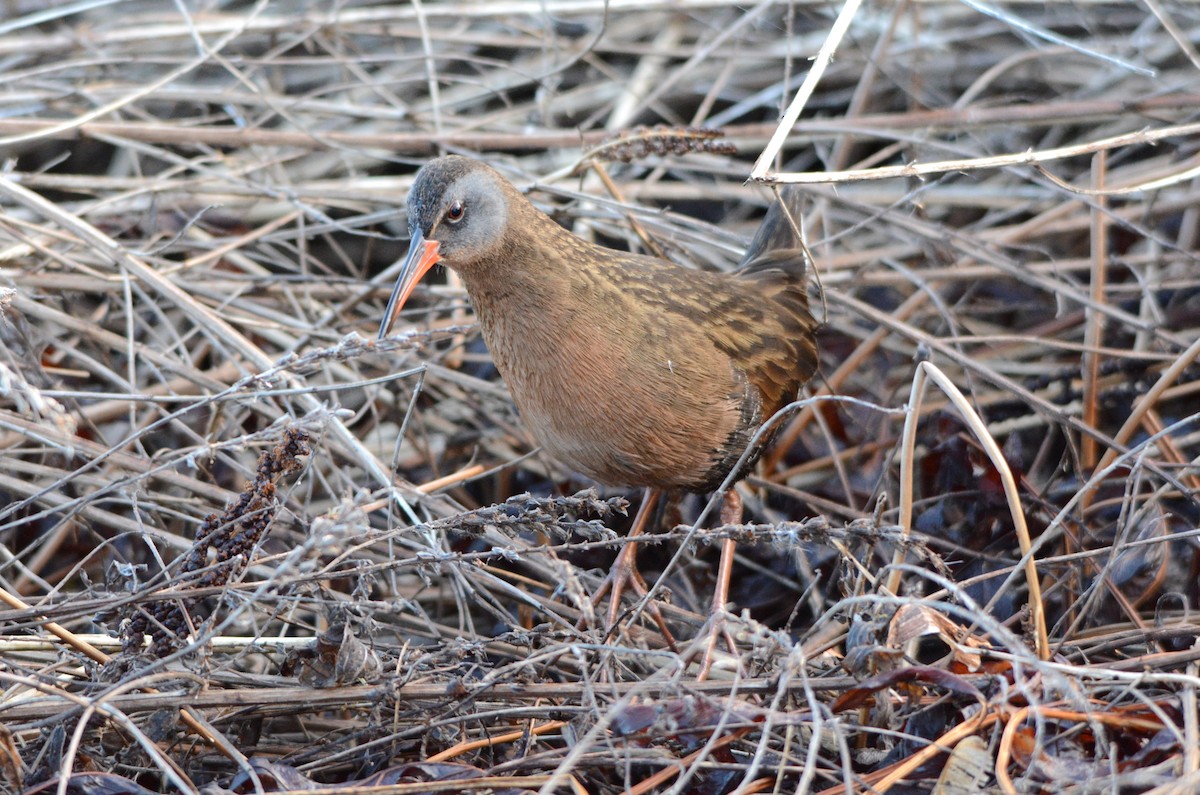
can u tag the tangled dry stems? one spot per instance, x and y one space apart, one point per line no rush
199 215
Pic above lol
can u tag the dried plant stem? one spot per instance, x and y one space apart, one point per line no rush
907 455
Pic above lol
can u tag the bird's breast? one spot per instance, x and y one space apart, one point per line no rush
625 402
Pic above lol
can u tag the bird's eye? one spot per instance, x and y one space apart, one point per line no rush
455 212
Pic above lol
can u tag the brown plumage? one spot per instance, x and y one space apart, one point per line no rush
629 369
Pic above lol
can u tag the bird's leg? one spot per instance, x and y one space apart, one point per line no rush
626 563
624 571
731 513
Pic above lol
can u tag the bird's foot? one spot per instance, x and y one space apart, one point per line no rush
731 513
718 644
624 573
714 630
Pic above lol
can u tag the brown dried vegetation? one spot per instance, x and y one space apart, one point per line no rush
198 212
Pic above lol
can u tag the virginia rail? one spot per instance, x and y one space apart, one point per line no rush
629 369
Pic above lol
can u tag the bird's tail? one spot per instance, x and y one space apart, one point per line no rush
777 230
778 259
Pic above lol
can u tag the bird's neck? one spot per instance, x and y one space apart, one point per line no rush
527 277
522 297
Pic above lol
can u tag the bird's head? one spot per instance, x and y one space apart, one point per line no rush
457 215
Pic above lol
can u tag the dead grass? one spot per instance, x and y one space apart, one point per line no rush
198 220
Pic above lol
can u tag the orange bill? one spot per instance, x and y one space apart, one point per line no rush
422 255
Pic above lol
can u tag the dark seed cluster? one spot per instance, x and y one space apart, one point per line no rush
661 140
224 543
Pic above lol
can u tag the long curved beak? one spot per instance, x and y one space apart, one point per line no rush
422 255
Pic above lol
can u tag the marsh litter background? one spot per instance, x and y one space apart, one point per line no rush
199 214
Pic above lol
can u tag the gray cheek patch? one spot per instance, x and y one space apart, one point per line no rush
486 210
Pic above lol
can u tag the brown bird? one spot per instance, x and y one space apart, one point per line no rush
629 369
